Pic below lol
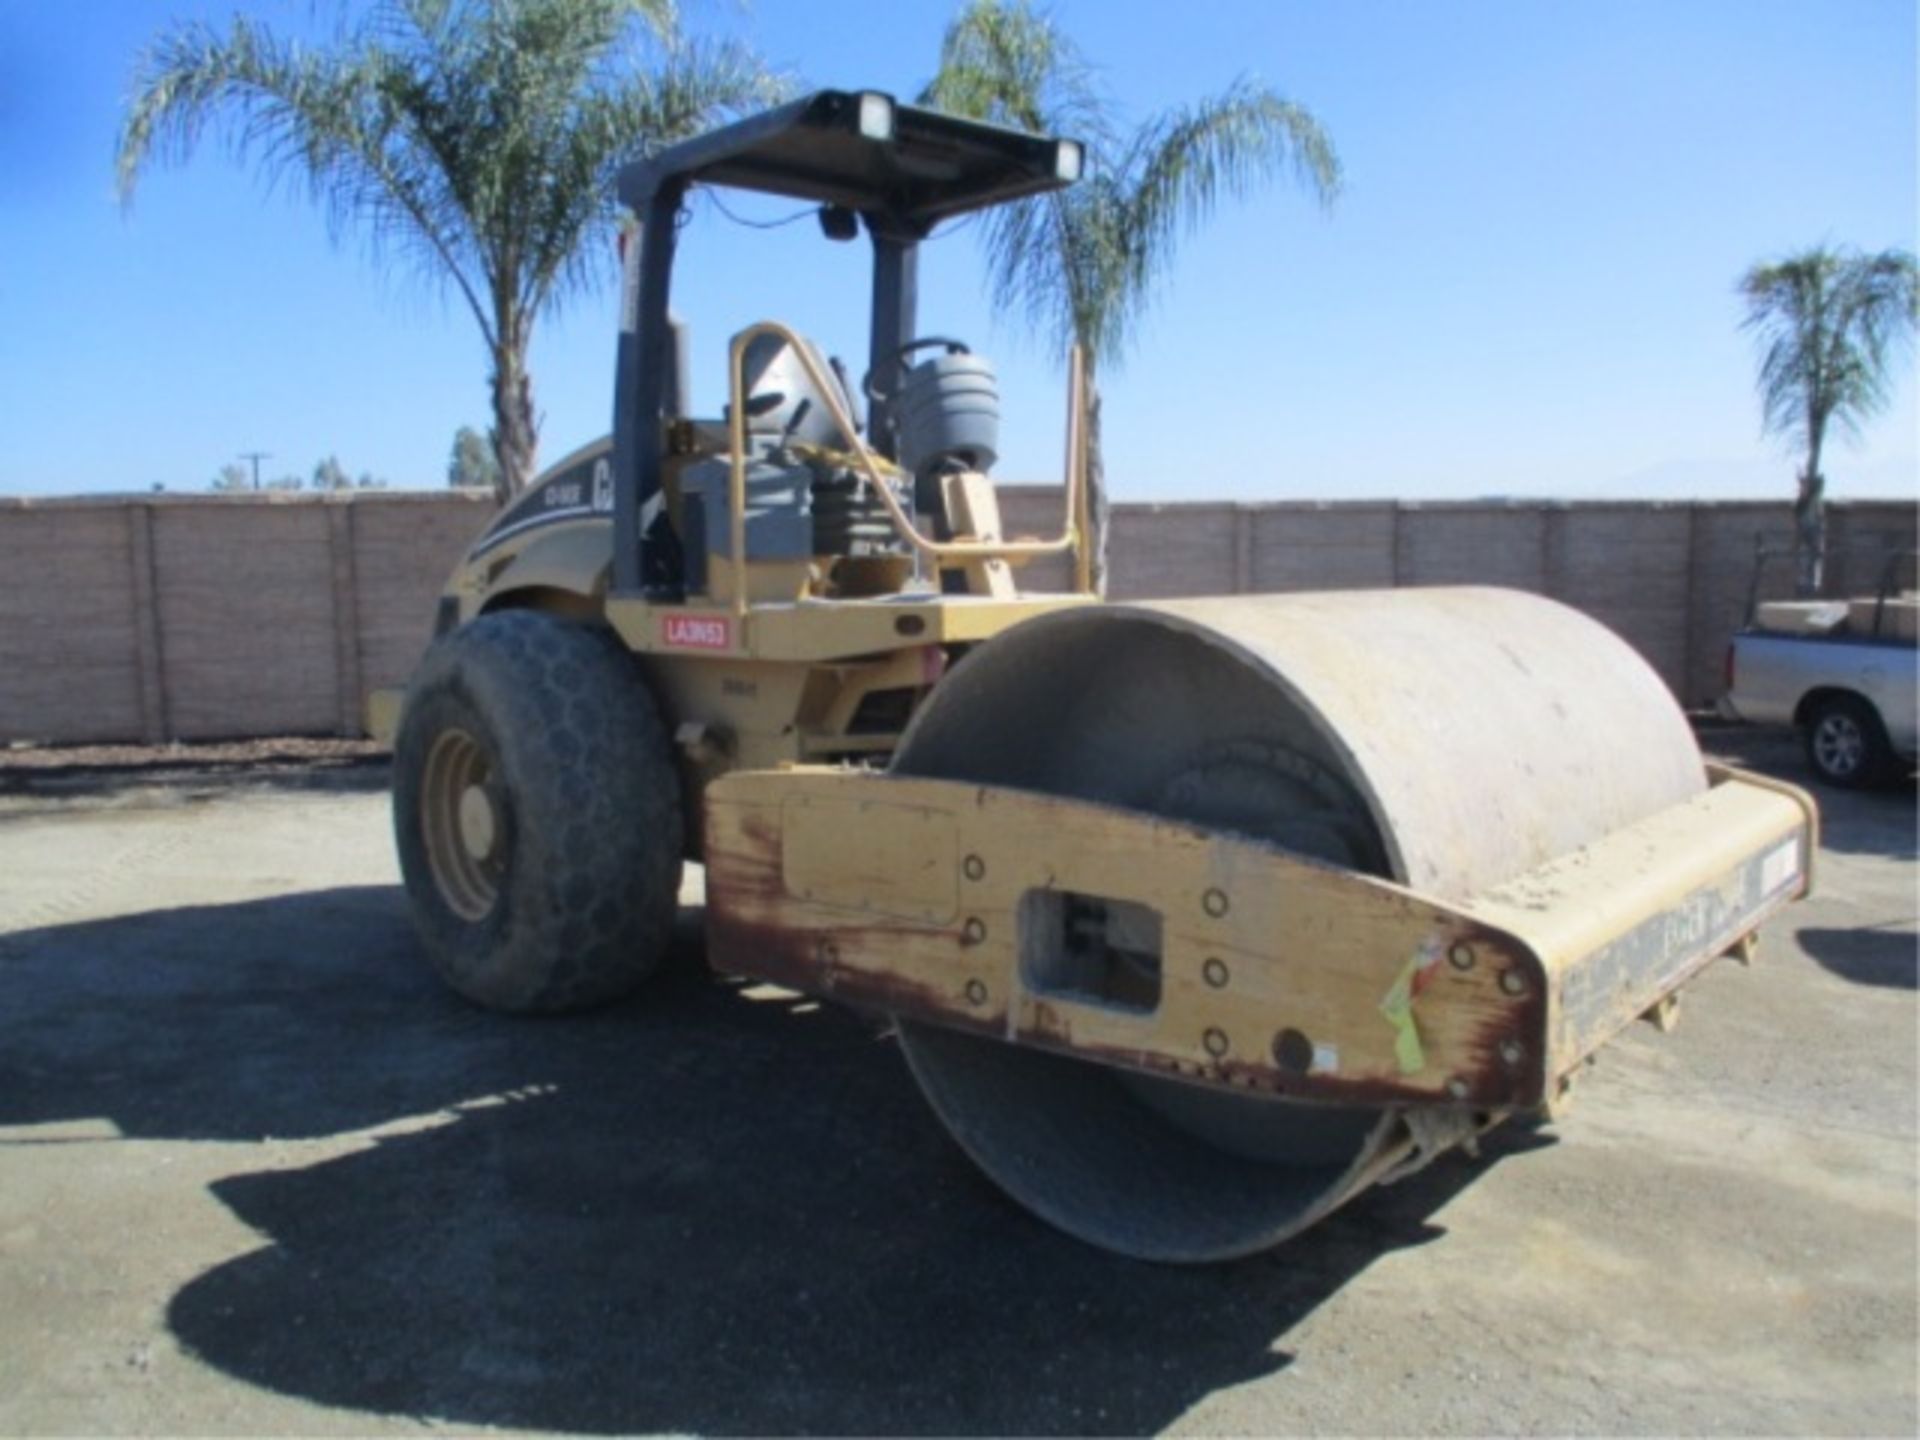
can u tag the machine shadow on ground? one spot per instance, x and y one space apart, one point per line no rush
1887 957
714 1209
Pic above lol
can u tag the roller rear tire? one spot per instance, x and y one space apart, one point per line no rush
537 812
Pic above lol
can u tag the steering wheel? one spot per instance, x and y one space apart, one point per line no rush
898 359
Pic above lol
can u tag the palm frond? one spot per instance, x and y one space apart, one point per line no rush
475 138
1006 62
329 121
692 86
1828 324
1184 163
1083 264
1009 63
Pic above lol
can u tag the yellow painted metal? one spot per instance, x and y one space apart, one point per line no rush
914 895
383 714
740 713
570 557
1620 924
818 630
767 582
826 718
973 513
893 859
1276 974
457 822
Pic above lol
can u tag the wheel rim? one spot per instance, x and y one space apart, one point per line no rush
1838 744
461 824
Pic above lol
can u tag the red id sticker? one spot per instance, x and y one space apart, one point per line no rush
697 632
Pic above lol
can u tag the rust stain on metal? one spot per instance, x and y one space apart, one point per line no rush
1049 1024
794 956
762 836
1492 1018
1493 1090
1505 1019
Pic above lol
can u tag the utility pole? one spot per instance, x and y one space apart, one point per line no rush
256 456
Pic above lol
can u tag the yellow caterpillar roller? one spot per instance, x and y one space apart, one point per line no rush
1195 918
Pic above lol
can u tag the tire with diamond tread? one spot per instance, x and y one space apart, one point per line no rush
585 802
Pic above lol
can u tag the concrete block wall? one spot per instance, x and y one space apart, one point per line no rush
402 555
1627 567
1320 547
215 617
75 651
1672 578
246 622
206 617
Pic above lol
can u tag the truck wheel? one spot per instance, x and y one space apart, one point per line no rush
536 808
1846 743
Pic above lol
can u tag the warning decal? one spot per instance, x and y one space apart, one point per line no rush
697 632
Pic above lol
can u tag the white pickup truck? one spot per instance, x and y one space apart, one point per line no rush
1842 672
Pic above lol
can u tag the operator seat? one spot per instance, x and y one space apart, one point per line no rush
784 404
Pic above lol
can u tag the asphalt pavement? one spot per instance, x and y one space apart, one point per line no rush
260 1173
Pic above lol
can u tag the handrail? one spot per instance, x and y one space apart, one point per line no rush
1072 536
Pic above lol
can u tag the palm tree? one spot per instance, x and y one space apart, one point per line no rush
1828 324
477 138
1082 264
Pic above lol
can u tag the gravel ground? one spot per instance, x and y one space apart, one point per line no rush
106 775
260 1174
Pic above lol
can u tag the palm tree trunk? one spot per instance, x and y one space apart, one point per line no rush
516 435
1098 513
1810 518
1810 533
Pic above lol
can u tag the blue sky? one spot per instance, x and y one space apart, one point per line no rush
1527 288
